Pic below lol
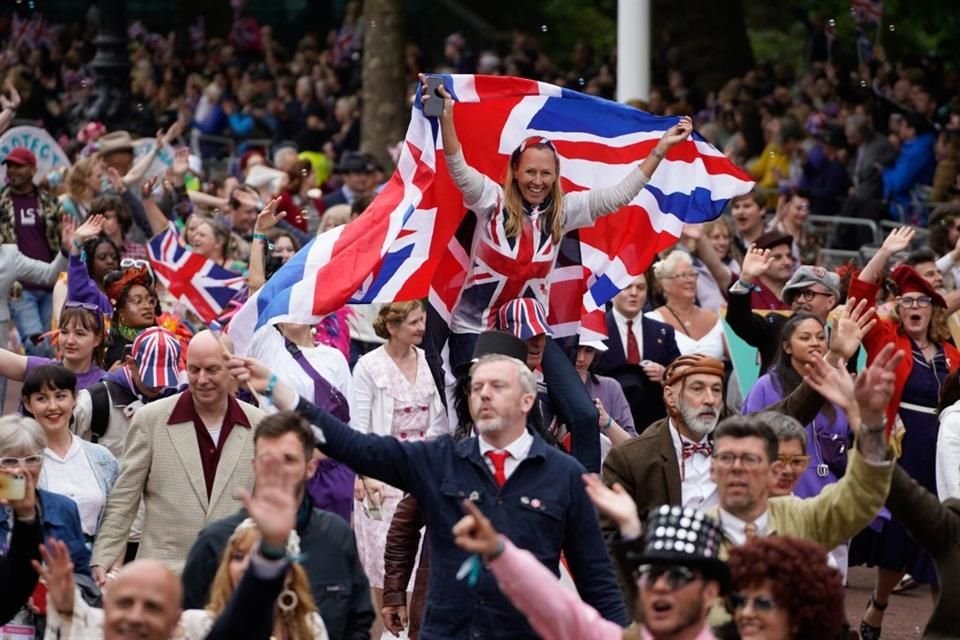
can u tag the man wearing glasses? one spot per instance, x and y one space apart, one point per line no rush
811 289
745 463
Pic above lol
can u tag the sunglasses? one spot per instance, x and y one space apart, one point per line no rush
76 304
677 576
126 263
760 604
12 462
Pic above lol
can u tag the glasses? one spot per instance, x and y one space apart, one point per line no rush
686 275
726 460
809 294
137 301
920 302
12 462
126 263
797 463
677 576
760 604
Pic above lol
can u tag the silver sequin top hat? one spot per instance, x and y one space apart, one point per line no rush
675 535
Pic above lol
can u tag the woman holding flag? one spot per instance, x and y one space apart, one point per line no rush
521 222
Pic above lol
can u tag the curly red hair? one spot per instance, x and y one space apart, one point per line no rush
811 592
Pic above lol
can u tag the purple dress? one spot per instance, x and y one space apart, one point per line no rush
765 392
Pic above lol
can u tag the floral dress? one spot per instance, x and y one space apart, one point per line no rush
411 418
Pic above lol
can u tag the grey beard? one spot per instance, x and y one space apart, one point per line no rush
490 425
692 421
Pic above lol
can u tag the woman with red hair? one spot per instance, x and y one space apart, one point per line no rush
917 328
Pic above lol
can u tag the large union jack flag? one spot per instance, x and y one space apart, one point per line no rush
200 284
415 239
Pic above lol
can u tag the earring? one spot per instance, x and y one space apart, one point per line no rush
288 600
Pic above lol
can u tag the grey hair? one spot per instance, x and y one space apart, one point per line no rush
668 266
19 434
527 380
785 427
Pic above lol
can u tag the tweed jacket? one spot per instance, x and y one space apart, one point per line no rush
50 208
161 463
838 513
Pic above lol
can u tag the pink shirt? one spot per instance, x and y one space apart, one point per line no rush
554 611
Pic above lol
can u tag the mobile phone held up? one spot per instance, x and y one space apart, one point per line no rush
13 486
433 106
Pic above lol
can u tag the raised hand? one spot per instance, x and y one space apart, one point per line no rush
57 572
174 132
147 187
614 503
273 506
268 218
474 533
755 264
181 162
447 99
13 102
91 227
115 180
850 326
835 384
898 240
678 132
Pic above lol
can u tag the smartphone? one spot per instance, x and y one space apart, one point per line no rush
127 351
13 486
433 107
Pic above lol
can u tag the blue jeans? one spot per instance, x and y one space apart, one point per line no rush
31 313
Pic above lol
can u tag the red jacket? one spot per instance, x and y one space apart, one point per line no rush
886 331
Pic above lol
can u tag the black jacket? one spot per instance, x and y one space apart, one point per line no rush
17 577
340 586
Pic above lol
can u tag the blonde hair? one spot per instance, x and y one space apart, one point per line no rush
394 313
298 622
513 201
338 214
78 175
723 223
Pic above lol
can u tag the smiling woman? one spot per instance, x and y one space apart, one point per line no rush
83 471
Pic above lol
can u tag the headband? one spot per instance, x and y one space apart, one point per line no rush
692 363
535 140
138 274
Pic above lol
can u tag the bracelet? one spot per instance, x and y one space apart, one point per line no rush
271 385
656 153
609 422
259 236
498 551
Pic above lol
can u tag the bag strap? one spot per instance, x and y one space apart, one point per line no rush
324 394
100 414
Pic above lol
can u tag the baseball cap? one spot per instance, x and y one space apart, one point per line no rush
157 353
21 156
524 318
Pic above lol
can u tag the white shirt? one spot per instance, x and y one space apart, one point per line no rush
73 477
268 347
519 449
637 327
697 490
733 527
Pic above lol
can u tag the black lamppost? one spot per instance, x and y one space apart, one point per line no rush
110 101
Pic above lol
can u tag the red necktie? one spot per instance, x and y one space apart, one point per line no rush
499 460
633 349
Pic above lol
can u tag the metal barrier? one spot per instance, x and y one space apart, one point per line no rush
833 258
832 223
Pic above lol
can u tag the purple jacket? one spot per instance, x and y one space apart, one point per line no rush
765 392
82 288
614 402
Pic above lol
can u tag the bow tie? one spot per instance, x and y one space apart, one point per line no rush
691 449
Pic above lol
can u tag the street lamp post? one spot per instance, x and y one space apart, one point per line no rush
110 101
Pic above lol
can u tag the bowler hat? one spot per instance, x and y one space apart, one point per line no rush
354 162
490 342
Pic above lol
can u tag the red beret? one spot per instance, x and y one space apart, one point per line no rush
907 280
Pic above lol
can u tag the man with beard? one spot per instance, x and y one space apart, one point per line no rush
532 492
811 289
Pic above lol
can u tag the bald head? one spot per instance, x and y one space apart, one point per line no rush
207 373
143 602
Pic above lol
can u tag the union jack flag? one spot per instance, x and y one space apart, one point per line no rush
200 284
416 239
867 11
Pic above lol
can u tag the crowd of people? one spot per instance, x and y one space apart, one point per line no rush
342 480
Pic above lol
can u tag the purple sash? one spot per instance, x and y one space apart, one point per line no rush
331 486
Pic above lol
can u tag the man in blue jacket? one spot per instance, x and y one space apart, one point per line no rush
530 491
914 165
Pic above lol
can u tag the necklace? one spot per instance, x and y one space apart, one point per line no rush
684 324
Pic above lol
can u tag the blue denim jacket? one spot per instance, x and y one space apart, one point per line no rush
60 520
542 508
105 468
